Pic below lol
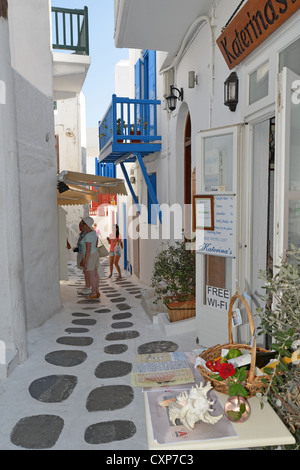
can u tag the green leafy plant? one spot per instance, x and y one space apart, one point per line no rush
120 126
280 320
235 379
145 124
174 274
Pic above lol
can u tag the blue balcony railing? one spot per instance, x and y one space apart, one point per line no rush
129 121
70 30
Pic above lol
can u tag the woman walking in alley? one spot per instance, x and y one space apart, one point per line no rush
80 254
116 245
91 257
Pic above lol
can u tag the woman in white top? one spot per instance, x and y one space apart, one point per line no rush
91 257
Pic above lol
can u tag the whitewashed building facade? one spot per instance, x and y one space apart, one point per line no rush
245 160
30 264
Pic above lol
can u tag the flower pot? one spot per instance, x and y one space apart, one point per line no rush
135 141
119 141
181 310
237 409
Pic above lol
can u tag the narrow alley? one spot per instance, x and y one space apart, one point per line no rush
74 391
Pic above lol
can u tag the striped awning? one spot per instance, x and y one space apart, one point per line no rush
84 187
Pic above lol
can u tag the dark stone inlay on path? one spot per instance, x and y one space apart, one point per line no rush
66 358
80 314
122 316
110 369
95 301
77 330
84 321
113 295
121 335
116 349
123 306
37 432
138 296
110 397
75 340
119 299
110 431
121 324
103 310
53 389
157 347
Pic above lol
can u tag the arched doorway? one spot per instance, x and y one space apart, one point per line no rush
189 178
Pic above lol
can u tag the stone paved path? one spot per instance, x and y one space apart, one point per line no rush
74 391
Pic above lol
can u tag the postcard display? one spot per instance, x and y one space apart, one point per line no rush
163 377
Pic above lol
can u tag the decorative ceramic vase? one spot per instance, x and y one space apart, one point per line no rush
237 409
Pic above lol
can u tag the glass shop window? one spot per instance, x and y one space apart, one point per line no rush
218 163
259 83
290 57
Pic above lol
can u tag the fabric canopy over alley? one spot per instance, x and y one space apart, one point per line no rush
80 188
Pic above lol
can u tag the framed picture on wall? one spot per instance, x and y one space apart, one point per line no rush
203 212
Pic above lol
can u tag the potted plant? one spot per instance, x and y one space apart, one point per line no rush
237 408
132 132
280 320
174 280
120 127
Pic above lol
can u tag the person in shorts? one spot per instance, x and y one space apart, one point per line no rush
116 247
90 258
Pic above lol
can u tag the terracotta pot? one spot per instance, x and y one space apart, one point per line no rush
181 310
119 141
135 141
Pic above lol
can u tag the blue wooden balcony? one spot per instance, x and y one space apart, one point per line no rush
128 128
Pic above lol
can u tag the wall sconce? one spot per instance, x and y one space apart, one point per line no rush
69 133
193 79
231 91
171 99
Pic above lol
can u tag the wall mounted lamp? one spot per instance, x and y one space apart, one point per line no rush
193 79
69 133
231 91
171 99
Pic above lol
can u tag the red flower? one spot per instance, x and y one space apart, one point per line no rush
226 370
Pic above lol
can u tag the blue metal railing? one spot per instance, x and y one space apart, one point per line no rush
70 30
129 121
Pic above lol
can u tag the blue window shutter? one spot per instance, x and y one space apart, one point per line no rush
97 164
138 81
152 216
152 75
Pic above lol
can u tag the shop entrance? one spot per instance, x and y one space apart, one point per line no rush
262 203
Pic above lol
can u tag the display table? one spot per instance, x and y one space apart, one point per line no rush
263 428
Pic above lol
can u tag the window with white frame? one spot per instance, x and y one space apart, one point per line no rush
259 83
